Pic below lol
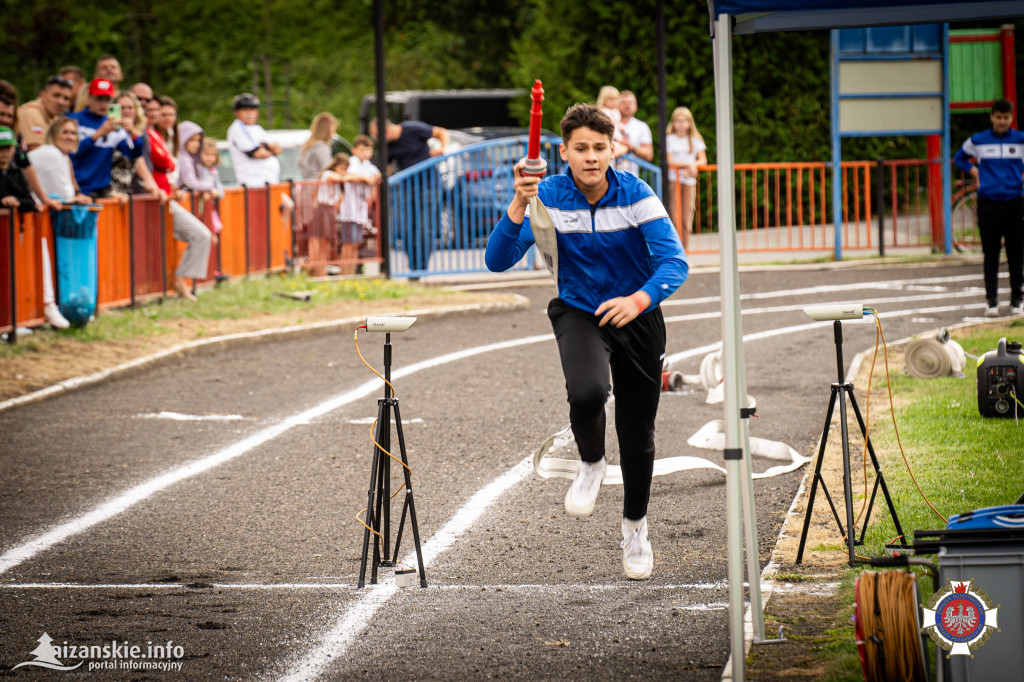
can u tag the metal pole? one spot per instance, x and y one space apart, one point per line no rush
947 171
384 233
662 101
837 150
13 336
880 202
131 246
163 251
245 219
732 338
269 261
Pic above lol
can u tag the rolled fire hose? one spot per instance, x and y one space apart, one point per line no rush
935 356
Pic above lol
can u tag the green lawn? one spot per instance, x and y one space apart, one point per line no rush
236 299
961 461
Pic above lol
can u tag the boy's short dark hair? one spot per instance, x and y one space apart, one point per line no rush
1002 106
585 116
362 141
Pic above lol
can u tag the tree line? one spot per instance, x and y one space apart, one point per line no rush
319 55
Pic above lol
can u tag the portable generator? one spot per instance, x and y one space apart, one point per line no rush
1001 381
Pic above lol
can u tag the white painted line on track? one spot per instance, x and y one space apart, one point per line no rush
782 331
123 501
177 416
830 288
800 306
505 587
339 636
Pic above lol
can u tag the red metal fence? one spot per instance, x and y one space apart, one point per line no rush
137 252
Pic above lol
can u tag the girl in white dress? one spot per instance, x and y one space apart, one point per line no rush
686 151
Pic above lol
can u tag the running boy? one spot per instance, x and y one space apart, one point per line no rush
618 257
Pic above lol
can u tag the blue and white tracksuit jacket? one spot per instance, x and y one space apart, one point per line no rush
1000 163
93 159
623 244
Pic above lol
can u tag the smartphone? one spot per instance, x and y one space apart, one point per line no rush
115 114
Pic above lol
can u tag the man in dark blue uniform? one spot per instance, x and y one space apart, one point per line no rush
999 155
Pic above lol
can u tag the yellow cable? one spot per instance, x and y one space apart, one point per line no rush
892 411
373 426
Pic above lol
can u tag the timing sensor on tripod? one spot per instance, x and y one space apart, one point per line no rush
389 324
838 311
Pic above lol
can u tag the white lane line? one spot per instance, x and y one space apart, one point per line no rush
339 636
125 500
800 306
831 288
370 420
177 416
504 587
781 331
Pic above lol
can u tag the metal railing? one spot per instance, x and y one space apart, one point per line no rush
786 206
444 209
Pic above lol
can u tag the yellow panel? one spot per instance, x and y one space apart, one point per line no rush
898 76
879 115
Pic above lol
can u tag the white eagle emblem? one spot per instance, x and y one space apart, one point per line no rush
960 618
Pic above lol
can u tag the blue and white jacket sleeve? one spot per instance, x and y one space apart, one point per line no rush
671 267
508 243
962 160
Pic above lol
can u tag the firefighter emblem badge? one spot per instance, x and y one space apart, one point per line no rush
960 618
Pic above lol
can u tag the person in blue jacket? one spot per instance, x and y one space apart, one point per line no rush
98 136
619 257
999 154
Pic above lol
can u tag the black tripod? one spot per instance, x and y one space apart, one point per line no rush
844 389
378 516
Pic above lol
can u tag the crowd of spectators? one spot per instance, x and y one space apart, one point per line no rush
83 139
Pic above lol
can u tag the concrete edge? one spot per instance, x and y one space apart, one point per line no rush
768 587
241 339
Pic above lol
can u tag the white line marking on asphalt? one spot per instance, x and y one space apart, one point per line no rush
504 587
123 501
800 306
781 331
829 288
350 625
177 416
370 420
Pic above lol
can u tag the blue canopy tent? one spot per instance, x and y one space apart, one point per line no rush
729 17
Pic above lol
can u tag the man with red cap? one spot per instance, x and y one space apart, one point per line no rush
98 136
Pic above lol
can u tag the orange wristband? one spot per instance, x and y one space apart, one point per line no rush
639 302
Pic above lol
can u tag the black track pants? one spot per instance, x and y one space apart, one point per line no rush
998 222
634 355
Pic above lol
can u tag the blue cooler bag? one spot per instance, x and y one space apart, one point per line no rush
74 230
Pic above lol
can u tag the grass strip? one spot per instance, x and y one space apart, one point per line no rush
961 460
235 299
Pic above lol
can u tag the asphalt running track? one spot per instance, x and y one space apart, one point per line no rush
210 501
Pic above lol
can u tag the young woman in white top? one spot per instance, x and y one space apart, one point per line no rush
57 177
608 102
686 151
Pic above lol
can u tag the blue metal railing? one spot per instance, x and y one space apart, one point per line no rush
443 210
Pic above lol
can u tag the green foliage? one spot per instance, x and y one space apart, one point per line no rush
321 57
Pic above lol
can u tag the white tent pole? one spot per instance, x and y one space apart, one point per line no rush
732 335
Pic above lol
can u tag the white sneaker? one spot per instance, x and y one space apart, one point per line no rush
992 311
637 555
1017 309
582 494
52 314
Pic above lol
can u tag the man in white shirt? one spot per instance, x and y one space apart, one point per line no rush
253 157
639 140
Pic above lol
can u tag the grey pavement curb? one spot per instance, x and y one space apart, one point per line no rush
768 587
242 339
